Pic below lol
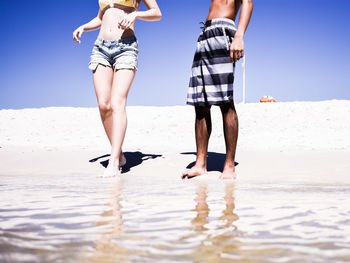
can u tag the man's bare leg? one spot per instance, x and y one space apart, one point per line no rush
203 131
230 121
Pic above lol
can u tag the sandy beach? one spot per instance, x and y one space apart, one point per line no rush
308 137
288 204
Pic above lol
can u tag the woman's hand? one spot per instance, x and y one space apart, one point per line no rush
127 21
78 33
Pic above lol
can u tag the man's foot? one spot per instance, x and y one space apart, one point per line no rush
122 160
228 174
111 171
193 172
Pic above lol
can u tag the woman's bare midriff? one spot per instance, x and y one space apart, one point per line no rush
109 28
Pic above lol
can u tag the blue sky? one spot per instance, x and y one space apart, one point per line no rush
296 51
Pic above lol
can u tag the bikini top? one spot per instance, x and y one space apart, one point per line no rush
104 3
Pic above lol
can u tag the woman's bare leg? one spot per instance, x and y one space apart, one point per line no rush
122 81
103 81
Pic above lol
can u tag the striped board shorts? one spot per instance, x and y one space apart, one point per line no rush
212 76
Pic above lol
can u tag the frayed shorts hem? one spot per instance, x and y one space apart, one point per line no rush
93 66
117 54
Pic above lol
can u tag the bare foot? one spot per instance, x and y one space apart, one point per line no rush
111 171
228 174
122 160
193 172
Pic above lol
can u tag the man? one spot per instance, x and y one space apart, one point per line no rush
219 46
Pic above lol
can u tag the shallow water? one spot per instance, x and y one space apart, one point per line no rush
144 219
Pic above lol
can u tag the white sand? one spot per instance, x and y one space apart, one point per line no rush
315 134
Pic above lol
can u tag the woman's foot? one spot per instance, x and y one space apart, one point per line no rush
122 160
114 168
111 171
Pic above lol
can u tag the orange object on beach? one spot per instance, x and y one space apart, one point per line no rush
267 99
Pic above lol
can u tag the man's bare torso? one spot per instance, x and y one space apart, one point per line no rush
224 8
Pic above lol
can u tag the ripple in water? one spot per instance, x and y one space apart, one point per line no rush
140 219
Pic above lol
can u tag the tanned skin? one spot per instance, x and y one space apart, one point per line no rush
222 9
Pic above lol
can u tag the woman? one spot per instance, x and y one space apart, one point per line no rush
114 64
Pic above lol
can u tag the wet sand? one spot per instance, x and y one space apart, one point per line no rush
288 204
307 167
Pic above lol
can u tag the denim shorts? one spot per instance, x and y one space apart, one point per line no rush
118 54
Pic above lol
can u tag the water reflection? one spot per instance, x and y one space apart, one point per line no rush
107 250
228 214
213 230
169 220
201 208
220 232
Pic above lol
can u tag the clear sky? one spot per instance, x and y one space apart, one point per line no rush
296 50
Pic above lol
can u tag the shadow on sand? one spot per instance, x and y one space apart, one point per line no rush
133 159
215 161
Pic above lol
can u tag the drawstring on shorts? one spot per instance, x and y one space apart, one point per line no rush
226 41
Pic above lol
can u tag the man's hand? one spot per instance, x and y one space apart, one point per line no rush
237 48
